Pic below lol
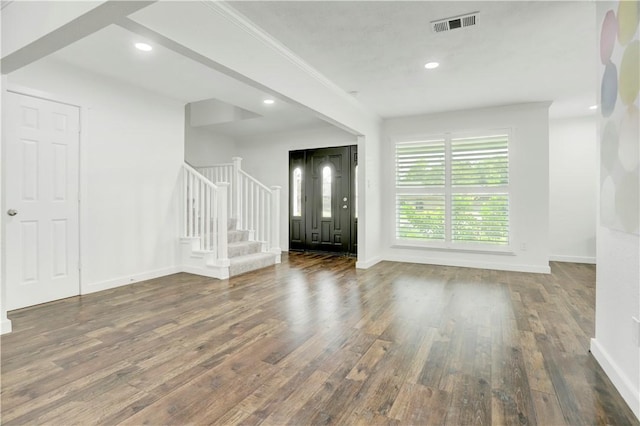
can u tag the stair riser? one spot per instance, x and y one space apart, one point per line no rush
250 247
251 266
237 236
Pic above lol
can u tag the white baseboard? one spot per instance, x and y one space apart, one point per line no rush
536 269
366 264
5 326
572 259
129 279
619 379
220 272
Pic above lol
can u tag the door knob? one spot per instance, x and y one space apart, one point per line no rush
12 212
344 207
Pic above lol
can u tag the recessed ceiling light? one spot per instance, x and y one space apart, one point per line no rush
593 107
431 65
269 101
144 47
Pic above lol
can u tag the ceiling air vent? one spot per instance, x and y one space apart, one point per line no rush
461 21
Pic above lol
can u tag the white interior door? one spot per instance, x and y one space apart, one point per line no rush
41 159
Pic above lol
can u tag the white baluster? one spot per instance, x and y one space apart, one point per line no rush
275 219
197 211
267 211
207 219
223 256
253 208
245 202
236 193
190 205
185 205
262 216
215 194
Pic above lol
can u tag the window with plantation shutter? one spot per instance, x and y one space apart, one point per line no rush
453 191
420 184
479 193
480 161
420 164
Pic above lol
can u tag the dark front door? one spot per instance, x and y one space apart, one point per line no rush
322 199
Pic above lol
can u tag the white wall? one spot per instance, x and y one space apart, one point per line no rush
203 147
132 148
5 323
267 159
529 183
26 22
573 186
236 45
371 224
616 345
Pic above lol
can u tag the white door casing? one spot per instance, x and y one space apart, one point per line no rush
41 181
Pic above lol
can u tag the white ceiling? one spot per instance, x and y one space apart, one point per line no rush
111 52
519 51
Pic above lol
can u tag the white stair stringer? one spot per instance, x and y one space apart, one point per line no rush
200 262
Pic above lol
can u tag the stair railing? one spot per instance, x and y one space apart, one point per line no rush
205 217
255 206
221 173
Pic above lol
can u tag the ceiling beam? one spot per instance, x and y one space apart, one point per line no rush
156 37
80 27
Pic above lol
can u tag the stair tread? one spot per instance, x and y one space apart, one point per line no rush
243 243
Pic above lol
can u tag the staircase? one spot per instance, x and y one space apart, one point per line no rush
245 255
212 250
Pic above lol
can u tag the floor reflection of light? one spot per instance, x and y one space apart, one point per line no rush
328 299
354 301
297 298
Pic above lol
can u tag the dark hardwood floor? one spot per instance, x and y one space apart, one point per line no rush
315 341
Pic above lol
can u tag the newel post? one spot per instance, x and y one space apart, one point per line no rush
223 223
275 222
236 189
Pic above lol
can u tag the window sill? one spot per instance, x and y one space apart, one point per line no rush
504 251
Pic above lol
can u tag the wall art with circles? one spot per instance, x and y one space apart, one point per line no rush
620 117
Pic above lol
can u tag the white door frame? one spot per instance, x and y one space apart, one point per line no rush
5 323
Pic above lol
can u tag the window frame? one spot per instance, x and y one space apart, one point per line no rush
449 191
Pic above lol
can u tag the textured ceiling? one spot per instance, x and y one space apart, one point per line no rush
518 52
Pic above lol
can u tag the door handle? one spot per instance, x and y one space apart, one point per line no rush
12 212
344 207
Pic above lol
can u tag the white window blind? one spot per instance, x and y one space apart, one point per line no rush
480 218
420 217
480 161
420 164
453 191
